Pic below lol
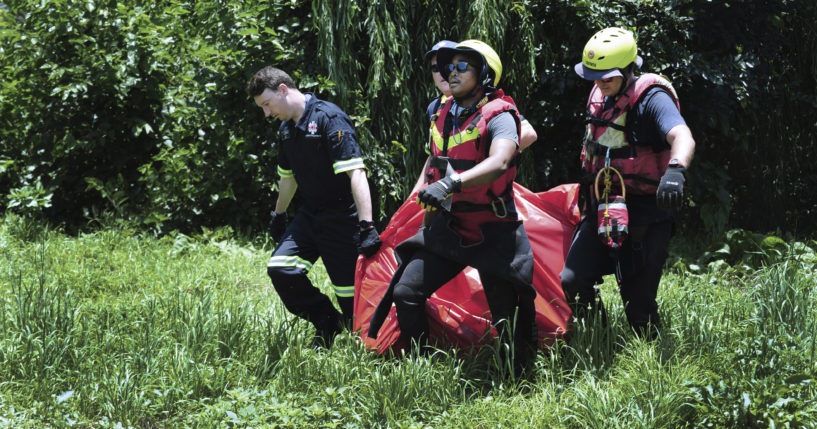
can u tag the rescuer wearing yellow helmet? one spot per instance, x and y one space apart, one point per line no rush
471 218
528 133
634 125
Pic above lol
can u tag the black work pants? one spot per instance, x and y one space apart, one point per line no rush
332 236
426 272
641 260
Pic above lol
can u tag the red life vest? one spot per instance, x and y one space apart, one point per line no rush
463 148
641 166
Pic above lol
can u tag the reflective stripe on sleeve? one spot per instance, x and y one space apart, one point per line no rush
346 165
285 173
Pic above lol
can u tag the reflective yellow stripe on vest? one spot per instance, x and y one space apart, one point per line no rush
464 136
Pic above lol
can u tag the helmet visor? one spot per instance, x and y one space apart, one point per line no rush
591 74
439 45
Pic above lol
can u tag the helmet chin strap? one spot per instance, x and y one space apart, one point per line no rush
467 111
475 91
628 74
623 87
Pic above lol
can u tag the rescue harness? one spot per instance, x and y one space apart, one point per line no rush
461 149
606 142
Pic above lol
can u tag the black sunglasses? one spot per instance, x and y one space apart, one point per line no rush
461 67
435 68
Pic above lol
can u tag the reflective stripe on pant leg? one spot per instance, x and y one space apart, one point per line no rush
335 238
344 291
288 267
301 297
346 300
290 263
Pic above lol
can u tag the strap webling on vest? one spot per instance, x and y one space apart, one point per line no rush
443 162
641 167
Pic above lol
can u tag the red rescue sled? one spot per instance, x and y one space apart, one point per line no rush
458 312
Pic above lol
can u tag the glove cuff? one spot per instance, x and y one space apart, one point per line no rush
456 182
676 168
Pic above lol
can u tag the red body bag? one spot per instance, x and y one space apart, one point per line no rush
458 312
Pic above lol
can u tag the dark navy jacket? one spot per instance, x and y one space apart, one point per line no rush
317 152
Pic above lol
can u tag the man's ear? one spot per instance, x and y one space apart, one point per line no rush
283 88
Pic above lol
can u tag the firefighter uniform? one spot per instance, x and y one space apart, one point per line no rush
317 152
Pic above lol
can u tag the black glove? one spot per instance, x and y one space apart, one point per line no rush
433 196
277 225
670 193
369 241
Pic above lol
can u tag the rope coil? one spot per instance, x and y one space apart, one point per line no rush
608 184
611 231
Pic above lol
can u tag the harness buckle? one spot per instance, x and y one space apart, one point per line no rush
441 163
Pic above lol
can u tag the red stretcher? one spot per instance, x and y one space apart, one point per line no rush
458 312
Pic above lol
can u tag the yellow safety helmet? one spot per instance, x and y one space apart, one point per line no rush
606 53
491 64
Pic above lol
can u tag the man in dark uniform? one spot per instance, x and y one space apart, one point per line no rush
635 126
318 155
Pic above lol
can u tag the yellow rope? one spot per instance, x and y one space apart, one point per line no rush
608 184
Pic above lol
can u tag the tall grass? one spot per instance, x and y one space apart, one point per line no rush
116 329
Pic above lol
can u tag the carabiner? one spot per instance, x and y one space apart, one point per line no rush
504 208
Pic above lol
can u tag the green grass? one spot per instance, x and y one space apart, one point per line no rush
114 328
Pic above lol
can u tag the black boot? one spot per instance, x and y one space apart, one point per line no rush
325 336
525 338
327 327
347 307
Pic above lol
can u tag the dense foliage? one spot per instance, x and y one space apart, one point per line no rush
137 110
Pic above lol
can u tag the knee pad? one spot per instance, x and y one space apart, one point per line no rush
570 286
407 297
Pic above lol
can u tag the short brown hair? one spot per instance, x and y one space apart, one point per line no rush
268 78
